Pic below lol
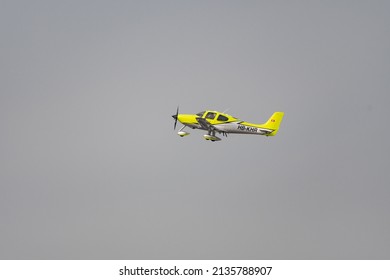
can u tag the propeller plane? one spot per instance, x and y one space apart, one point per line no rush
214 121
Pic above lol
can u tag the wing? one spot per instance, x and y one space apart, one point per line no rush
205 124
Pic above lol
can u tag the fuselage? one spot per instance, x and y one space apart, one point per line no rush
222 122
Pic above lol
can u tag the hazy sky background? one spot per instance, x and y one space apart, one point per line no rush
90 167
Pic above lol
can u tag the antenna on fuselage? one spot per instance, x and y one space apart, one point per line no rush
226 110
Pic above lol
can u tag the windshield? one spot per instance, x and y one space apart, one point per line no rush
200 114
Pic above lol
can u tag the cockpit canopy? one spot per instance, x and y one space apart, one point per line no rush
217 116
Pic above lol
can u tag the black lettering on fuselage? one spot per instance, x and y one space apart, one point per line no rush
247 128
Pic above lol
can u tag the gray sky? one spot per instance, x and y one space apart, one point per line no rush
90 166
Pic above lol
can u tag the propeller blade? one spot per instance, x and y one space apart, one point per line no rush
174 126
175 117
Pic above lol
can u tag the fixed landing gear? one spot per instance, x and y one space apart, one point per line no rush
211 136
182 133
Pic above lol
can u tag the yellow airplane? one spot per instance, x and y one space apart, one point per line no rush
214 121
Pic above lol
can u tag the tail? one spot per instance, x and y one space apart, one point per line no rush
274 123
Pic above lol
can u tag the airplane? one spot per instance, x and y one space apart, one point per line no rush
214 121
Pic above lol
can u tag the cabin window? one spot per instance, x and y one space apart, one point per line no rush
210 115
222 118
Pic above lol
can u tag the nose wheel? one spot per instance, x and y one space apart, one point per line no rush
182 133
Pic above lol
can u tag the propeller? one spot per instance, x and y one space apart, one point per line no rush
175 117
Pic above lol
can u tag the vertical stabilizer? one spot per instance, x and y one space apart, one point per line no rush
274 122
